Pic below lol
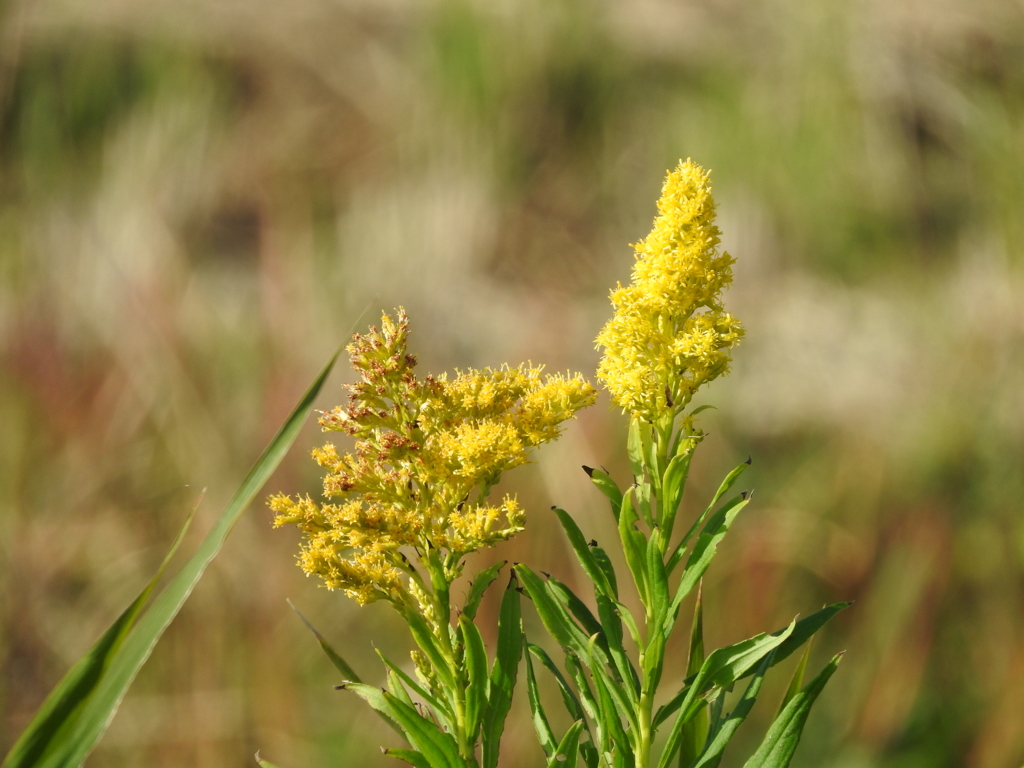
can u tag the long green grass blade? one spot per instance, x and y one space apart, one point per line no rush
66 701
95 716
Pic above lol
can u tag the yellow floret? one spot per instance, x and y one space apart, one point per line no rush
670 334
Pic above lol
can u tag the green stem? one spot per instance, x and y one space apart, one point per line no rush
442 630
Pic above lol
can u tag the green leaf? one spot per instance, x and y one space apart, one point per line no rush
657 577
554 617
607 486
621 707
540 719
797 681
264 763
81 735
783 736
572 704
712 754
427 643
728 482
478 690
439 748
503 672
441 709
636 446
566 754
672 487
483 580
347 673
634 545
605 564
722 490
612 623
695 732
411 756
61 708
805 629
579 610
584 555
722 668
609 711
796 636
703 553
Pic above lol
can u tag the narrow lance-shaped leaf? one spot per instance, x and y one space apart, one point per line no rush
730 479
712 754
411 756
551 613
584 553
503 672
483 580
347 673
442 710
633 544
607 486
695 732
722 667
479 685
804 629
703 553
639 436
572 704
797 681
568 748
264 763
780 743
89 727
439 748
545 735
672 490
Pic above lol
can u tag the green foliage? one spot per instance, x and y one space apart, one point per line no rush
611 697
78 711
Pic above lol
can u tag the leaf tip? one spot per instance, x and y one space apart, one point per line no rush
588 470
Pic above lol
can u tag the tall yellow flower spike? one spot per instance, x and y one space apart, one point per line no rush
670 333
414 492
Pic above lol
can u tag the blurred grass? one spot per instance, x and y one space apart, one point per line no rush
195 203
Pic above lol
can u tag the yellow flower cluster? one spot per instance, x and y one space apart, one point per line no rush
670 333
427 453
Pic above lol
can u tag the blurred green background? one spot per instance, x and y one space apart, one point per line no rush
199 199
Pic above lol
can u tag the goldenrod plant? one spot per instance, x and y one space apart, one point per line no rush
669 335
412 501
412 498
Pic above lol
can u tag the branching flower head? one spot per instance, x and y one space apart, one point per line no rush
427 453
670 333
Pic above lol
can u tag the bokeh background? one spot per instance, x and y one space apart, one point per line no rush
200 199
